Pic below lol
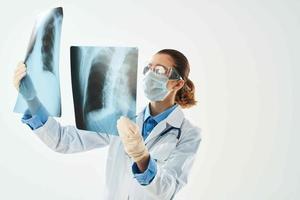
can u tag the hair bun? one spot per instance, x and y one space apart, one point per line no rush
185 97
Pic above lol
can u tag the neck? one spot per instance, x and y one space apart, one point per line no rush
157 107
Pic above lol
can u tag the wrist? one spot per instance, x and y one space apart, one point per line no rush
143 162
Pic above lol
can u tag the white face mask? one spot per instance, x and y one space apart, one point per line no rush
155 86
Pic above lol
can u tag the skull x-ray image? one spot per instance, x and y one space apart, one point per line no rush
104 86
42 61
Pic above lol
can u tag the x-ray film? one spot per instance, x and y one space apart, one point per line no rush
104 86
42 61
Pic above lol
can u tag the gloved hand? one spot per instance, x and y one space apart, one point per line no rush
23 83
25 86
132 139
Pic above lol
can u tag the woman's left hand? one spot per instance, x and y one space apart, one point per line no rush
132 139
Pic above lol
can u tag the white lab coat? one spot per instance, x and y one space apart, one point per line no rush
174 157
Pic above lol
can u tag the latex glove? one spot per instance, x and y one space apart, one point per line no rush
23 83
19 74
132 139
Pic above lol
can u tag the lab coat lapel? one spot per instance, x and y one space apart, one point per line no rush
175 119
140 120
156 130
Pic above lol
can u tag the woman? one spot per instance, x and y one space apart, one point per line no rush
149 159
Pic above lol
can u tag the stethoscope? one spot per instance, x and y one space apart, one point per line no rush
169 129
165 131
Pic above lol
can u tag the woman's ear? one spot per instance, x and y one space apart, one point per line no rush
179 84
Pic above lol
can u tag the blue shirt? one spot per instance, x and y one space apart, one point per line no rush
150 122
38 119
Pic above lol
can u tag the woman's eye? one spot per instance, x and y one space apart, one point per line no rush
160 70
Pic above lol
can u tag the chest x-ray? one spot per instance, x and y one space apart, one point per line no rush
104 86
42 61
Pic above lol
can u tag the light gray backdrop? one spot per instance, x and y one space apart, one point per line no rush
244 59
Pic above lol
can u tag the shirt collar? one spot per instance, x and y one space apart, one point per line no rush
174 119
161 116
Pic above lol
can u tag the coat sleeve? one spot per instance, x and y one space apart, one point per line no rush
69 139
172 175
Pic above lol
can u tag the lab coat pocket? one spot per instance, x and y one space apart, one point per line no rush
162 151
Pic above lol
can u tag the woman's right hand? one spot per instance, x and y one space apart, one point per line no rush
19 74
24 83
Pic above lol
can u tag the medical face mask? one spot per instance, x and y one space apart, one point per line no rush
155 86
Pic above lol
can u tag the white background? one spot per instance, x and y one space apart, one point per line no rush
244 58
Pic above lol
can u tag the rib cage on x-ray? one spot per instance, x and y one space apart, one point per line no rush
104 82
49 30
42 60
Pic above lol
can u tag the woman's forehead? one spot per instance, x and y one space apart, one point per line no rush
162 59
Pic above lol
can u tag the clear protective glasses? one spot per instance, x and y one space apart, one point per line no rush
170 72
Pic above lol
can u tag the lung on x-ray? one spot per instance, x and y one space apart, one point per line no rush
42 61
104 86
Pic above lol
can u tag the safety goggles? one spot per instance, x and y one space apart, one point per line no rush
171 73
